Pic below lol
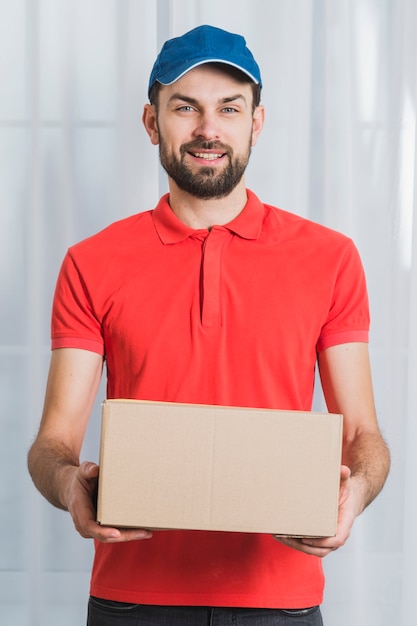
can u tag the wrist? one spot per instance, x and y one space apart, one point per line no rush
65 478
359 488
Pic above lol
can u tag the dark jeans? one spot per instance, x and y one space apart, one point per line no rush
108 613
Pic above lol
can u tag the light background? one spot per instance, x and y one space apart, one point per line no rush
338 147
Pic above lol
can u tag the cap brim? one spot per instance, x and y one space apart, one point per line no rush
171 77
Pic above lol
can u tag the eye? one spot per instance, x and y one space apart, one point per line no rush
229 110
186 108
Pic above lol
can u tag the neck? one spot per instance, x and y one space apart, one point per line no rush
200 213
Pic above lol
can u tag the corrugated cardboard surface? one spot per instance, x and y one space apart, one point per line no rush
183 466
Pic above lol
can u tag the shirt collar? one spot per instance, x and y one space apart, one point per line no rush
248 224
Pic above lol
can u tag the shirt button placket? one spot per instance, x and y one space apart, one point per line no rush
211 277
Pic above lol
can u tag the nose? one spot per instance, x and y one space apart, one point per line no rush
207 127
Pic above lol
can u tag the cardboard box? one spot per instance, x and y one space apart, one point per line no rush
184 466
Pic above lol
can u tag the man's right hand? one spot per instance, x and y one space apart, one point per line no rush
80 494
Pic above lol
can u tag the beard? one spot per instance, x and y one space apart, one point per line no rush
207 183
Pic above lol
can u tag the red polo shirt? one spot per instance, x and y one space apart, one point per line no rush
234 316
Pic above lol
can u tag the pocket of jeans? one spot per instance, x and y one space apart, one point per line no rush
112 605
300 612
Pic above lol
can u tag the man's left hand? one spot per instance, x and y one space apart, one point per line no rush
348 510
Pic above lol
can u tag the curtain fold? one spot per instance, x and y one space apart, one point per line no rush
339 147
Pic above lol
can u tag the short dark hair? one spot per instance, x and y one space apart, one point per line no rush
227 69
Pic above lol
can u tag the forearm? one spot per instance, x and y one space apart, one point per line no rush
368 458
51 465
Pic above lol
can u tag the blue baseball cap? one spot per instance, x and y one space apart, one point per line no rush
204 44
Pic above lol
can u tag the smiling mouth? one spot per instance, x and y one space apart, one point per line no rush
208 156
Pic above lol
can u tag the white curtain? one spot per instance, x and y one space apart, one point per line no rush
338 147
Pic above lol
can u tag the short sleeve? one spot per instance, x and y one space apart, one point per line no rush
74 322
348 319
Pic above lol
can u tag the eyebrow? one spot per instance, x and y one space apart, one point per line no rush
179 96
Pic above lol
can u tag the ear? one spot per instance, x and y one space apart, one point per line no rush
258 123
150 122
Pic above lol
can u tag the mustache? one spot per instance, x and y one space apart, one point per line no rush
195 146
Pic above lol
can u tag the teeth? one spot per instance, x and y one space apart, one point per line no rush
208 156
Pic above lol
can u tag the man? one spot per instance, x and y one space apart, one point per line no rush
213 298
